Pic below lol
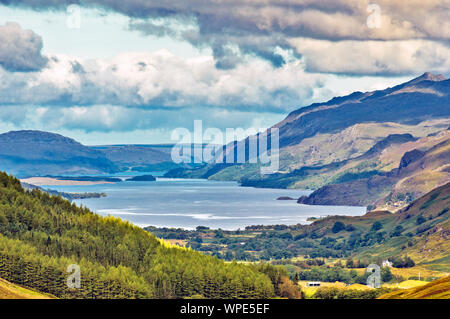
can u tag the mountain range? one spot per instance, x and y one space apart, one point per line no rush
354 146
40 153
37 153
381 148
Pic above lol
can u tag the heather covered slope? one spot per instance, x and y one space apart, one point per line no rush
421 231
11 291
438 289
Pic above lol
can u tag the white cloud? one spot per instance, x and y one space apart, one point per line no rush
161 80
374 57
258 27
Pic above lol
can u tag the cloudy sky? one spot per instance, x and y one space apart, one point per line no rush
130 71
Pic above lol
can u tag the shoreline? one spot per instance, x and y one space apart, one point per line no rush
51 181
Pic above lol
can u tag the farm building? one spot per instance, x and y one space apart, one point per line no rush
313 284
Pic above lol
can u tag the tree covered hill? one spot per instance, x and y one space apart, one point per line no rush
41 235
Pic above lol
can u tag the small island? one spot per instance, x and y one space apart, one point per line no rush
286 198
141 178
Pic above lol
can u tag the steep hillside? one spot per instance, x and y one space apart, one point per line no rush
41 235
438 289
332 142
421 230
418 172
41 153
413 102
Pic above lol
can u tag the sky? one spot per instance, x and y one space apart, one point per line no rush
131 71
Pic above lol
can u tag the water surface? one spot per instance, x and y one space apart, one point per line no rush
188 203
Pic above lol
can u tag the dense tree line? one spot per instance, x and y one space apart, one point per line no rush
40 235
335 293
337 273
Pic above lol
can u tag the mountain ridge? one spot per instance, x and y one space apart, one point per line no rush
332 137
33 152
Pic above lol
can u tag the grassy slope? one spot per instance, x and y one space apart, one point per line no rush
430 247
11 291
438 289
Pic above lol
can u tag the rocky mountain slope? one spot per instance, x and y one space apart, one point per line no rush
357 137
418 173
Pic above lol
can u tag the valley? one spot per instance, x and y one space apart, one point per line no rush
363 179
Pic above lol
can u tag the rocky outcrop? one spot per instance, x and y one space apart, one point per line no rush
410 157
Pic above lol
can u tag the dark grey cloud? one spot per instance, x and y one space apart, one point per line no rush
107 119
20 50
259 27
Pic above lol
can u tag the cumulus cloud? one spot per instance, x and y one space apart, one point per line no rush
162 80
374 57
20 50
259 27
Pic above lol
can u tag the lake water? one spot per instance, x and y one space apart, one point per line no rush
189 203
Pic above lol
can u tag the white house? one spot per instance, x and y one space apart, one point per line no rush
386 263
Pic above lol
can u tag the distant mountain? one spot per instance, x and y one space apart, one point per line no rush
28 153
42 153
134 155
